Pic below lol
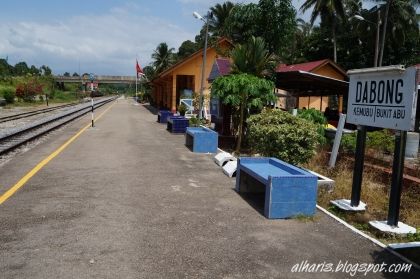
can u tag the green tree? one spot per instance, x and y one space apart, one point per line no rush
163 57
242 22
303 28
277 24
75 74
149 72
21 69
8 94
252 58
402 32
299 42
46 71
243 91
5 68
34 70
186 49
330 12
218 22
66 74
149 75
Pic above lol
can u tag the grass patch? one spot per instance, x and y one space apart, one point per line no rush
64 97
375 193
304 218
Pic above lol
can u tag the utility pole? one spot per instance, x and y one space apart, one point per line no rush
203 69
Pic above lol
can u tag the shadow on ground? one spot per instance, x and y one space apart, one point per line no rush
150 108
255 200
384 256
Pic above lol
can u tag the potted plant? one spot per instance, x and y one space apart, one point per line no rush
182 109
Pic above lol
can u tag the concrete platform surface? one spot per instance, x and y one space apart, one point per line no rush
127 199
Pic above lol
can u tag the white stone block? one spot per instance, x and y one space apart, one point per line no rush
345 205
230 168
400 229
223 157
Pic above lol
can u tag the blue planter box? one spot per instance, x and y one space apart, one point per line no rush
163 116
177 124
201 139
288 191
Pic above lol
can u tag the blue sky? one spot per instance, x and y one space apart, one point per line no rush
103 37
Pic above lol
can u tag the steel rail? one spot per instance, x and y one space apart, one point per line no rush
31 113
19 136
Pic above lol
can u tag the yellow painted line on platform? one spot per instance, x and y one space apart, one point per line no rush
44 162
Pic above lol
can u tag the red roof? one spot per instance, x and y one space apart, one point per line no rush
307 67
221 67
224 66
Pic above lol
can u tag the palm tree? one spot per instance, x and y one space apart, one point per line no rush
252 58
402 15
328 10
304 28
163 56
220 14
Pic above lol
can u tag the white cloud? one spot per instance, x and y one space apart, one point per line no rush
104 44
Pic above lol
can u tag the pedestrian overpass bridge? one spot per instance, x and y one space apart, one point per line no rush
98 79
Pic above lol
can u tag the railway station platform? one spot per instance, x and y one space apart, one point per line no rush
127 199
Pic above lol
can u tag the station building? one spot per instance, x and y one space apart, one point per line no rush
184 78
315 84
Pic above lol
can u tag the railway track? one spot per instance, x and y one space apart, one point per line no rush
32 113
13 138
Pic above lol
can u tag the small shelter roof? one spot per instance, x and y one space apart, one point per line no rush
309 66
303 83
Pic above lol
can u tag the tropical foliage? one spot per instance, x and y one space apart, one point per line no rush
243 91
319 120
8 94
332 31
381 142
163 57
277 25
22 69
220 13
252 58
330 11
29 89
275 133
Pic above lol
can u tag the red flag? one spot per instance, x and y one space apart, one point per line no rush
139 70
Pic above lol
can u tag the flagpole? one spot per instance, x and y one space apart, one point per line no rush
137 75
138 70
136 86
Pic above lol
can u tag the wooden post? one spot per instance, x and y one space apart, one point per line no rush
173 103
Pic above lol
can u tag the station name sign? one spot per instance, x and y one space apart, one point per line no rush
383 97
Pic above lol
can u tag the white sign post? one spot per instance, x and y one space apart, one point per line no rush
385 97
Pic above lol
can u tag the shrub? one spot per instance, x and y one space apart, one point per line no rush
381 141
182 108
8 95
316 117
348 142
313 115
276 133
195 122
28 90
